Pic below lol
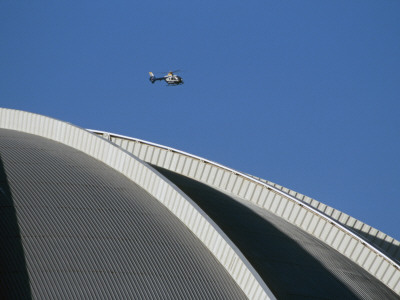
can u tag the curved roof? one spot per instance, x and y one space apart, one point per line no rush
122 217
324 223
88 231
138 172
143 149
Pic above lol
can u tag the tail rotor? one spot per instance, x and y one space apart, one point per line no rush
152 77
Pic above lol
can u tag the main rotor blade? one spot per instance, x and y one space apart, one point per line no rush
176 71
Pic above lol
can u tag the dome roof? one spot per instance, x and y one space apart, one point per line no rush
107 216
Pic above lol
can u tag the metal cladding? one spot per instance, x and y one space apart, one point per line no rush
85 216
375 252
87 231
292 262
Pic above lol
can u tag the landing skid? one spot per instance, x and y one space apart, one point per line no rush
174 84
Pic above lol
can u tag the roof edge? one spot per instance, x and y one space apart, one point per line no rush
184 208
300 213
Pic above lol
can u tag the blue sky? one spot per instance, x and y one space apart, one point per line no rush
302 93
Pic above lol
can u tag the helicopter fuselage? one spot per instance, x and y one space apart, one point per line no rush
170 79
173 79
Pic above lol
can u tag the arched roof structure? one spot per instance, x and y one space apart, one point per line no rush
376 252
243 236
111 158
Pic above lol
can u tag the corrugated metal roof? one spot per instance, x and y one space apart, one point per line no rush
320 221
293 263
88 231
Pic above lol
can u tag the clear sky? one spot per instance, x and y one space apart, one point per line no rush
302 93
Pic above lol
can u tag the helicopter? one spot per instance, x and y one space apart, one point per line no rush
170 78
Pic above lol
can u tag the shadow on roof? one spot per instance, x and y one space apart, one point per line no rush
14 279
281 259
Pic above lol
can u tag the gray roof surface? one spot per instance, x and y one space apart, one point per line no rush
293 263
72 227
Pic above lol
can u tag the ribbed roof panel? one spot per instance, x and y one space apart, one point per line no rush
293 263
325 223
88 231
